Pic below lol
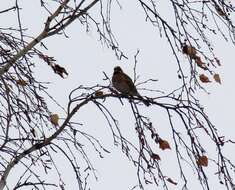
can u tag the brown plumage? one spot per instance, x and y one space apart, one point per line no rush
123 83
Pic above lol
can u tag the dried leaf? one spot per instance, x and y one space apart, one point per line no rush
54 118
200 63
155 156
217 78
99 93
171 181
163 144
219 11
204 78
21 82
59 70
190 51
202 161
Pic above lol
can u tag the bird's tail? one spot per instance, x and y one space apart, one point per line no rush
146 102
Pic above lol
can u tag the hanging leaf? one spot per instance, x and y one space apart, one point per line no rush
21 82
163 144
200 63
190 51
219 11
204 78
59 70
217 78
171 181
202 161
155 156
99 93
54 118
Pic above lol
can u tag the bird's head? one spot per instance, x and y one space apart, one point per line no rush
117 69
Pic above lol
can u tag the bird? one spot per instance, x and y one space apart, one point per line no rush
124 84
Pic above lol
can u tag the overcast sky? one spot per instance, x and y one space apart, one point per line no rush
85 59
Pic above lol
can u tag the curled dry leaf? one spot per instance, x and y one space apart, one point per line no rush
219 11
59 70
217 78
202 161
190 51
204 78
200 63
99 93
21 82
155 156
54 118
171 181
163 144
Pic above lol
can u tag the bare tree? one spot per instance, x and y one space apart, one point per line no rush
30 135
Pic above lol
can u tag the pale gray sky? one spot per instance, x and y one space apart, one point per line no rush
85 59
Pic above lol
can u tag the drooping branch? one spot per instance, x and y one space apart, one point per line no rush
48 31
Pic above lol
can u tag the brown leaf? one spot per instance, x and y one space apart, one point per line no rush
190 51
219 11
200 63
171 181
54 118
217 78
21 82
59 70
155 156
163 144
204 78
99 93
202 161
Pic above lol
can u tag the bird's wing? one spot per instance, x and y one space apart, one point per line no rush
130 84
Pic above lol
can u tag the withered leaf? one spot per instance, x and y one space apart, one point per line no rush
217 78
202 161
204 78
163 144
171 181
219 11
54 118
21 82
200 63
99 93
59 70
190 51
155 156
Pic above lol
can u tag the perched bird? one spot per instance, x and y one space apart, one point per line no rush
123 83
